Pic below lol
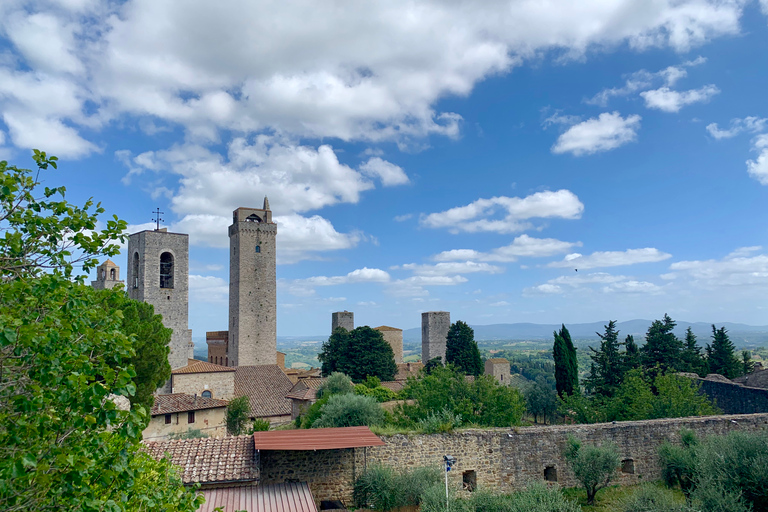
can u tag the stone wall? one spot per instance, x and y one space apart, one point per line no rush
434 330
394 337
498 368
345 319
503 459
220 384
734 398
209 421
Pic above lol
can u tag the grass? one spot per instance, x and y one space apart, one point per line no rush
609 499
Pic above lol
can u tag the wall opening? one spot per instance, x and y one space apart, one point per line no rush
112 275
135 270
469 480
166 270
167 419
628 466
258 248
191 417
550 474
206 394
253 218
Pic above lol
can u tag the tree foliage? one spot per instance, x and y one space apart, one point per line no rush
461 349
692 360
358 354
350 410
662 348
64 444
566 364
541 401
720 355
607 369
593 466
238 412
335 384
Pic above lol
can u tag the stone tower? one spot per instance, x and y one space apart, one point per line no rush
345 319
394 337
158 273
434 331
252 288
107 276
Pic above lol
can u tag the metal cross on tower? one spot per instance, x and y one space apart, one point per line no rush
158 219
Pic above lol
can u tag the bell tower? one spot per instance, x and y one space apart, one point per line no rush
252 288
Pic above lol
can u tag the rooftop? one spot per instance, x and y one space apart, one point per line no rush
316 439
266 387
182 402
497 360
202 367
386 328
288 497
208 460
405 370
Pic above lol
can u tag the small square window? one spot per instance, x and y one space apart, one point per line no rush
628 466
550 474
258 248
191 417
167 419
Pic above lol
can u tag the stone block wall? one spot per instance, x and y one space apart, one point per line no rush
434 330
220 384
734 398
209 421
345 319
498 368
394 337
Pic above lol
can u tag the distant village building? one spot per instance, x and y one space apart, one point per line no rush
345 319
498 368
204 379
107 276
434 334
217 347
179 413
266 387
394 337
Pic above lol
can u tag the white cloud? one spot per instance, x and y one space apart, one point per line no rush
641 80
749 124
612 258
633 286
578 280
758 168
403 218
306 287
450 268
667 100
516 211
389 173
49 134
603 133
738 269
585 283
208 289
522 246
546 289
414 286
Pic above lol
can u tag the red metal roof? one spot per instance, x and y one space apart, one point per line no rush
316 439
292 497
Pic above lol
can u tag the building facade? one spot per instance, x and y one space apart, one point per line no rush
434 333
394 337
107 276
345 319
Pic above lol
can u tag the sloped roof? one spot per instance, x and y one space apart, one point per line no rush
497 360
202 367
305 389
405 370
288 497
181 402
386 328
266 387
393 385
207 460
316 439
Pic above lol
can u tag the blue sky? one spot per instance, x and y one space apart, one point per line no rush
518 161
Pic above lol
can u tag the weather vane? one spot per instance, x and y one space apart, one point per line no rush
158 220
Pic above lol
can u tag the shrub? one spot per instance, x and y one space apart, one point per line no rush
651 498
350 411
593 466
380 394
384 488
372 382
336 384
237 415
678 463
537 497
193 433
314 412
439 422
259 425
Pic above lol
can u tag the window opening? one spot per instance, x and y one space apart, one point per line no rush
135 270
258 248
550 474
628 466
469 480
166 270
167 419
253 218
191 417
112 274
207 394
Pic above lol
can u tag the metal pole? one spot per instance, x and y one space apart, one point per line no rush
446 487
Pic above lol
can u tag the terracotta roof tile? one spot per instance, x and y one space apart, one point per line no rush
266 387
181 402
202 367
386 328
497 360
393 385
208 460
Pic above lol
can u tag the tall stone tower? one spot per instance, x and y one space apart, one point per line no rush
345 319
434 331
252 288
158 273
107 276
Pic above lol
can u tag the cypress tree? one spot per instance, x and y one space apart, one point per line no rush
461 349
608 365
662 348
692 360
631 354
720 355
566 365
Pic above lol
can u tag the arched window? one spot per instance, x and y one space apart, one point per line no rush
253 218
258 248
135 270
112 274
166 270
207 394
226 361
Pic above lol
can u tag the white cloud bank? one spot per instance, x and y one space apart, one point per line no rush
611 258
523 246
667 100
607 131
750 124
514 213
758 168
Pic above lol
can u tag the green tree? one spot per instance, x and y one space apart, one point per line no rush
335 384
747 365
593 466
607 368
359 353
691 359
150 342
720 355
566 365
662 348
631 354
679 397
461 349
540 401
64 444
350 410
238 412
633 400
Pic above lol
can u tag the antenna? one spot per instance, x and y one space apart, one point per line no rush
158 220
